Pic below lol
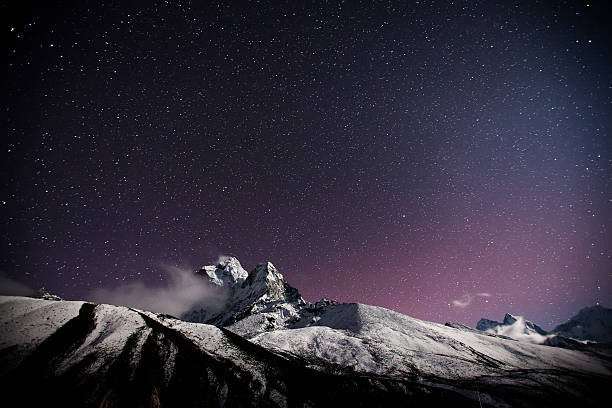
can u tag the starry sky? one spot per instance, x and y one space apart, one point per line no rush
448 160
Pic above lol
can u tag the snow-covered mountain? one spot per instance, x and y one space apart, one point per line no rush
269 347
263 292
515 327
591 323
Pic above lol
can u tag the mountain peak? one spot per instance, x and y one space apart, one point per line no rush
247 293
228 272
266 281
509 319
266 271
42 293
592 323
513 326
592 309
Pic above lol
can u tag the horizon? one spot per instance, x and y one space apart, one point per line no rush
26 291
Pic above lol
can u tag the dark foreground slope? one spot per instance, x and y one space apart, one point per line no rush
106 356
58 353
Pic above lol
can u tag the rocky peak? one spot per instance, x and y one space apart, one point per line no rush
526 327
589 311
486 324
265 281
509 319
229 272
248 293
265 271
42 293
591 323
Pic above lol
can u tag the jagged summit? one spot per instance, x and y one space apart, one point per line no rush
277 288
248 293
515 327
529 326
592 323
227 272
486 324
509 319
43 293
287 352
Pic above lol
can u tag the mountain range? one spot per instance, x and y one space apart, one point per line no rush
267 346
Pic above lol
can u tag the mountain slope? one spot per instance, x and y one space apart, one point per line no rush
269 347
101 355
591 323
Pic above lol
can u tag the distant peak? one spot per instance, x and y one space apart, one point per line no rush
593 323
511 326
510 319
42 293
592 309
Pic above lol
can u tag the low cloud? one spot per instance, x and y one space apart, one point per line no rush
518 332
10 287
183 292
467 299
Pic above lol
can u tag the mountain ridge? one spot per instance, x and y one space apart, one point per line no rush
284 350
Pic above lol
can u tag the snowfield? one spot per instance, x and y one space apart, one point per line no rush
375 340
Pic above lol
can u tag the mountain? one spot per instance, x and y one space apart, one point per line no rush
42 293
269 347
264 293
515 327
78 354
591 323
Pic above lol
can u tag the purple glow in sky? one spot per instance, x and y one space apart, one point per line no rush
448 161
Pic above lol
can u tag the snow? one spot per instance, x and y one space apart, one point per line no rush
519 330
113 327
26 322
214 342
267 311
228 273
248 293
369 339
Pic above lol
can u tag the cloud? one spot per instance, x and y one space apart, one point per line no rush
518 331
467 299
11 287
183 292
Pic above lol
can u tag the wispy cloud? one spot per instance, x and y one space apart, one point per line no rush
466 300
183 292
518 331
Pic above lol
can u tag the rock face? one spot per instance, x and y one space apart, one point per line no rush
269 347
591 323
264 290
512 326
257 302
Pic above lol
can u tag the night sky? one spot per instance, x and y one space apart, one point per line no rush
448 160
